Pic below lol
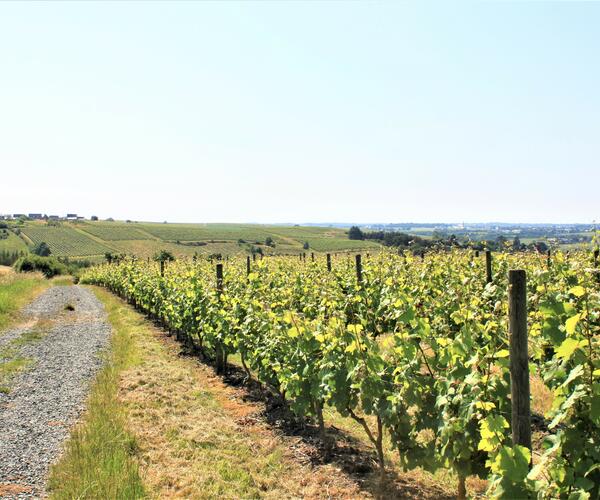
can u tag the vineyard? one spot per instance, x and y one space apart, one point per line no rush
418 351
113 232
65 241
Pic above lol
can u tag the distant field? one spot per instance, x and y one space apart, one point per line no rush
112 232
335 244
203 232
13 243
144 239
147 248
65 241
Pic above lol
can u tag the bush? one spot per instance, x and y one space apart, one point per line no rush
48 266
41 249
355 233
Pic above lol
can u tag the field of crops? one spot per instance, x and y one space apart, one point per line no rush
417 351
113 232
203 232
12 243
64 241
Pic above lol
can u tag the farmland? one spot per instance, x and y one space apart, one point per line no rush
94 239
12 243
418 352
65 241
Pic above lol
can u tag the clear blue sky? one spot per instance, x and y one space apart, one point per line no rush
302 111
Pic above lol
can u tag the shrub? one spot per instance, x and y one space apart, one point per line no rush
355 233
42 249
48 266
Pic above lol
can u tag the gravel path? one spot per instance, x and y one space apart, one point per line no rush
47 398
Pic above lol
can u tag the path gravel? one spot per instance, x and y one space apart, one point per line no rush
46 399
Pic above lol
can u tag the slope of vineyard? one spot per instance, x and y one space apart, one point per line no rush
65 241
416 351
12 243
113 232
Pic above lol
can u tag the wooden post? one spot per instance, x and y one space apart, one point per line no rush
219 350
162 267
312 256
358 268
476 253
329 262
548 262
422 255
519 358
219 279
488 266
248 265
253 257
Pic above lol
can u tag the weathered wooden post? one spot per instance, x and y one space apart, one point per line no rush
253 257
162 267
247 265
219 279
488 266
329 262
219 350
519 358
358 268
312 256
476 253
548 262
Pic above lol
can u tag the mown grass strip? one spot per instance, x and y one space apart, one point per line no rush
16 290
100 456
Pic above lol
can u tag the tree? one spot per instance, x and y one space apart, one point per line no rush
306 246
94 217
355 233
164 256
41 249
269 242
516 244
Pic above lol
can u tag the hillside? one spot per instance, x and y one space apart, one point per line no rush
93 239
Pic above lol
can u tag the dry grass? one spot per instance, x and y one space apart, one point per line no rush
198 440
541 396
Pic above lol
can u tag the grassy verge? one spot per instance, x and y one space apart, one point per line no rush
16 290
195 436
100 456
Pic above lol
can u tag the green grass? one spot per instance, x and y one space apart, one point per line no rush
65 241
15 292
100 456
13 243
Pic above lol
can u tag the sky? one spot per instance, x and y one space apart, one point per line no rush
291 111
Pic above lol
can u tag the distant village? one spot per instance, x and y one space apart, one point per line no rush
43 217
